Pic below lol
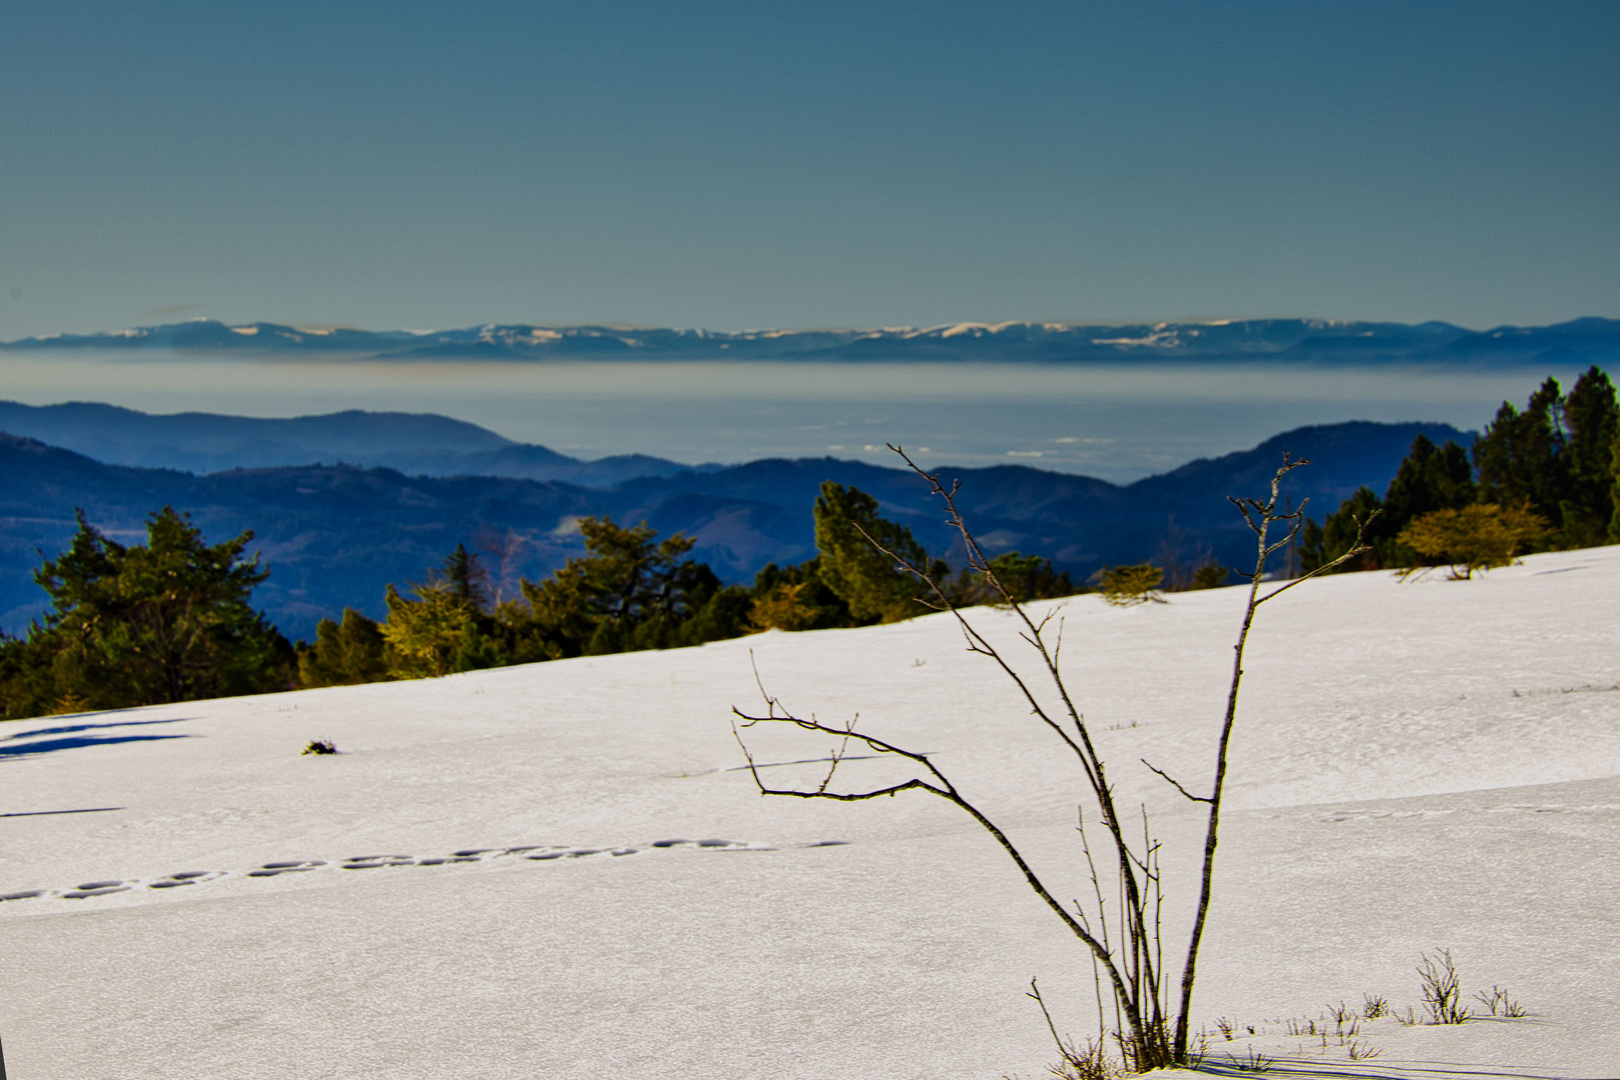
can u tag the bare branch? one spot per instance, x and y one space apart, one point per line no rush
977 642
1357 546
1244 509
849 732
1173 783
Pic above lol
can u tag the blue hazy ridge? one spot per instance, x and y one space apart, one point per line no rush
335 533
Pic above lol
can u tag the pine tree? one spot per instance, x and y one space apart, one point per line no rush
344 654
1430 478
629 591
870 582
795 598
464 575
1559 459
1592 418
1614 488
444 628
1127 586
154 623
1025 577
435 633
1322 544
1556 457
1518 456
28 685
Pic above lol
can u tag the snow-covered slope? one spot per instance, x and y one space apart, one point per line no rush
1417 766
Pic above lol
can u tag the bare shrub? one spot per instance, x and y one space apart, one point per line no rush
1374 1005
319 746
503 549
1124 934
1075 1061
1253 1061
1361 1050
1500 1004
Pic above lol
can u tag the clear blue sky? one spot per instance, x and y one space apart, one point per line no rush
755 164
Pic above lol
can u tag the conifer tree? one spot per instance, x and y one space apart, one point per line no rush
1127 586
464 575
1322 544
28 680
1558 458
795 598
1430 478
444 628
1518 455
1210 575
1614 488
434 633
1592 417
153 623
629 591
1024 577
1552 457
848 533
344 654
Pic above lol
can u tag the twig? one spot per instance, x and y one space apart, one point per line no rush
1174 783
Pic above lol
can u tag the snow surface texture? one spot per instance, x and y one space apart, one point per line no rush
560 870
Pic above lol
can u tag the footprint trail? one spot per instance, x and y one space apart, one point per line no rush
526 853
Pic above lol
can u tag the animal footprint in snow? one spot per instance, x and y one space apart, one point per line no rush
271 869
578 853
185 877
530 852
370 862
96 888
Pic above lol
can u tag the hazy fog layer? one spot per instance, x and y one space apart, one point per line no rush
1118 423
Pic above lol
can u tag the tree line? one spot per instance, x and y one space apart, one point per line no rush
1542 478
171 620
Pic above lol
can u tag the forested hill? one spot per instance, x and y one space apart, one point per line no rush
334 535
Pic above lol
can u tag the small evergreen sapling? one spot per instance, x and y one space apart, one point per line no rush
1126 586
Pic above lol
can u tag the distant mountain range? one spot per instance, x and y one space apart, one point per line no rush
335 534
1321 341
419 444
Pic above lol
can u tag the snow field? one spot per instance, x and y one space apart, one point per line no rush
1416 766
